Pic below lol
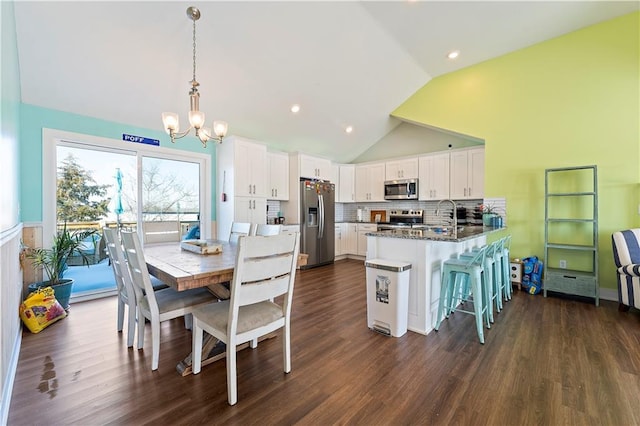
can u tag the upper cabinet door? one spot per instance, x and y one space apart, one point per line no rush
433 181
476 173
401 169
370 182
278 176
250 161
467 174
347 187
315 168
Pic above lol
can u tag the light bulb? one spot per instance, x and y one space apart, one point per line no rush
220 128
196 118
171 122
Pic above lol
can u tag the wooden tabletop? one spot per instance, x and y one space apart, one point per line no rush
184 270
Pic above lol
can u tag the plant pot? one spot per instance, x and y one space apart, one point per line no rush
62 290
487 218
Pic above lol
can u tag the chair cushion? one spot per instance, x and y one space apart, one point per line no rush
216 315
169 299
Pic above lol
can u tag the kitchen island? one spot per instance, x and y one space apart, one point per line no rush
425 249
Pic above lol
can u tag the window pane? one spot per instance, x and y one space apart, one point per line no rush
170 199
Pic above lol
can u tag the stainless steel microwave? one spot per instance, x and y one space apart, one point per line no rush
403 189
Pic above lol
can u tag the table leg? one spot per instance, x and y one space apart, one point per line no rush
212 350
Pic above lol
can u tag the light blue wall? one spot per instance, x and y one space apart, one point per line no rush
34 119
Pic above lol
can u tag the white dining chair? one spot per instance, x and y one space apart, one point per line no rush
239 229
126 294
265 268
266 230
157 306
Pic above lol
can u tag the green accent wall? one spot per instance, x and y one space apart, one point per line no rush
570 101
34 119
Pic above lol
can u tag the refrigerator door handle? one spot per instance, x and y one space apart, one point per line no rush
321 214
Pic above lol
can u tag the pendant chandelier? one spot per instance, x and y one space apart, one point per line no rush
196 117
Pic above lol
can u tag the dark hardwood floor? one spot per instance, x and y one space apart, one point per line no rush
545 361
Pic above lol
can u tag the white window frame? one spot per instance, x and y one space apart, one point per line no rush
51 138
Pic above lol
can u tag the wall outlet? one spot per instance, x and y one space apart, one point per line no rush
563 264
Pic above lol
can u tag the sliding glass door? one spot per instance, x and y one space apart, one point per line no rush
90 183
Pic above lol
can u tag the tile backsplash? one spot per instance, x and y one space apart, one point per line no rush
347 212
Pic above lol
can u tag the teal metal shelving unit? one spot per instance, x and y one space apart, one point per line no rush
571 231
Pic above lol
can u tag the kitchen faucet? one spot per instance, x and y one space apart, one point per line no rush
453 214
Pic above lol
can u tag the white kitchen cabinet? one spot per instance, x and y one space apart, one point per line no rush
349 238
250 209
433 183
250 168
278 176
346 184
314 167
242 177
338 240
370 182
363 229
467 174
401 169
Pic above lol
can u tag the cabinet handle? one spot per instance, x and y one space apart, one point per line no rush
469 192
254 189
465 192
276 192
254 204
249 188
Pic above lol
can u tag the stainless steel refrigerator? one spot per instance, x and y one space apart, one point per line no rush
317 218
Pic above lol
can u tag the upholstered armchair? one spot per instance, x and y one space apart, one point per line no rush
626 254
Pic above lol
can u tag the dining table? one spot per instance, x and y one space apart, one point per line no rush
184 270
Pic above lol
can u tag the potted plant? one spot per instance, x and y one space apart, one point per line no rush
53 260
488 213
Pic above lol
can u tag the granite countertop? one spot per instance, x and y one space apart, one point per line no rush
436 234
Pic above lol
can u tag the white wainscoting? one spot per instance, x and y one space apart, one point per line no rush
10 325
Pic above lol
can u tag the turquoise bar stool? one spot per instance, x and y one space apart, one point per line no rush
491 270
457 276
506 259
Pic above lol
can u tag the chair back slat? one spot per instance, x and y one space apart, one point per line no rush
255 292
265 230
118 264
265 268
138 270
239 229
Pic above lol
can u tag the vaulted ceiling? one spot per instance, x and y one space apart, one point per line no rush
345 63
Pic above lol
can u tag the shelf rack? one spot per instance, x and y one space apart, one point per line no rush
571 231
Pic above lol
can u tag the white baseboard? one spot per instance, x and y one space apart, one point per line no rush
8 382
609 294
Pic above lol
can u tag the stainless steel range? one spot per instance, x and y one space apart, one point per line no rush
402 219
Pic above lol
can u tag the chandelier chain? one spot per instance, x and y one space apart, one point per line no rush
194 50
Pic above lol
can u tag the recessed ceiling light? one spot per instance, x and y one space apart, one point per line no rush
295 108
348 129
453 55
